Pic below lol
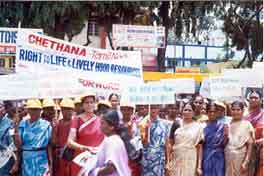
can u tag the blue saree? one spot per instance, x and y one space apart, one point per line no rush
154 153
213 149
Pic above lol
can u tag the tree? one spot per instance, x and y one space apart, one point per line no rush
166 22
125 12
11 13
56 18
243 26
188 20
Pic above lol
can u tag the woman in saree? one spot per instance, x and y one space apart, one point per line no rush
255 117
259 143
154 135
34 142
127 110
240 142
112 157
186 159
215 135
85 131
256 114
61 132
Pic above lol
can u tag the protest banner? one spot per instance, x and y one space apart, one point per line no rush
224 87
40 53
8 38
139 36
205 90
149 93
53 85
246 77
181 85
220 87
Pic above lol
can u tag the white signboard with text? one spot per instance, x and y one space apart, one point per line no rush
39 53
138 36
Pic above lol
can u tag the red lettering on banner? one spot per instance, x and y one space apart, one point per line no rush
99 55
89 83
38 40
52 44
31 38
75 50
61 47
82 52
6 49
45 43
67 49
98 85
93 84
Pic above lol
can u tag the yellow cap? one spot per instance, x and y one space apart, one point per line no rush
77 100
67 103
127 104
48 103
103 102
88 94
34 103
221 104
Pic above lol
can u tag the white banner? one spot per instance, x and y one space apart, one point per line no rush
225 87
8 37
149 93
181 85
205 90
246 77
39 53
139 36
53 85
221 87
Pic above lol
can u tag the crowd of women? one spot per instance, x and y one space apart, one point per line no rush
188 138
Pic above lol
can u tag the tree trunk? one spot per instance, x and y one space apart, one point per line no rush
162 53
259 34
59 31
88 41
164 13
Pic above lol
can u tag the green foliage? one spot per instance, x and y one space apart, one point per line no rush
188 19
242 24
56 18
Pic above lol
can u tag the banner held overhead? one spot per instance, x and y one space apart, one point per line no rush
40 53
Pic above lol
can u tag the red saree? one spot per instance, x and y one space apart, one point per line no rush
259 135
61 167
89 134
